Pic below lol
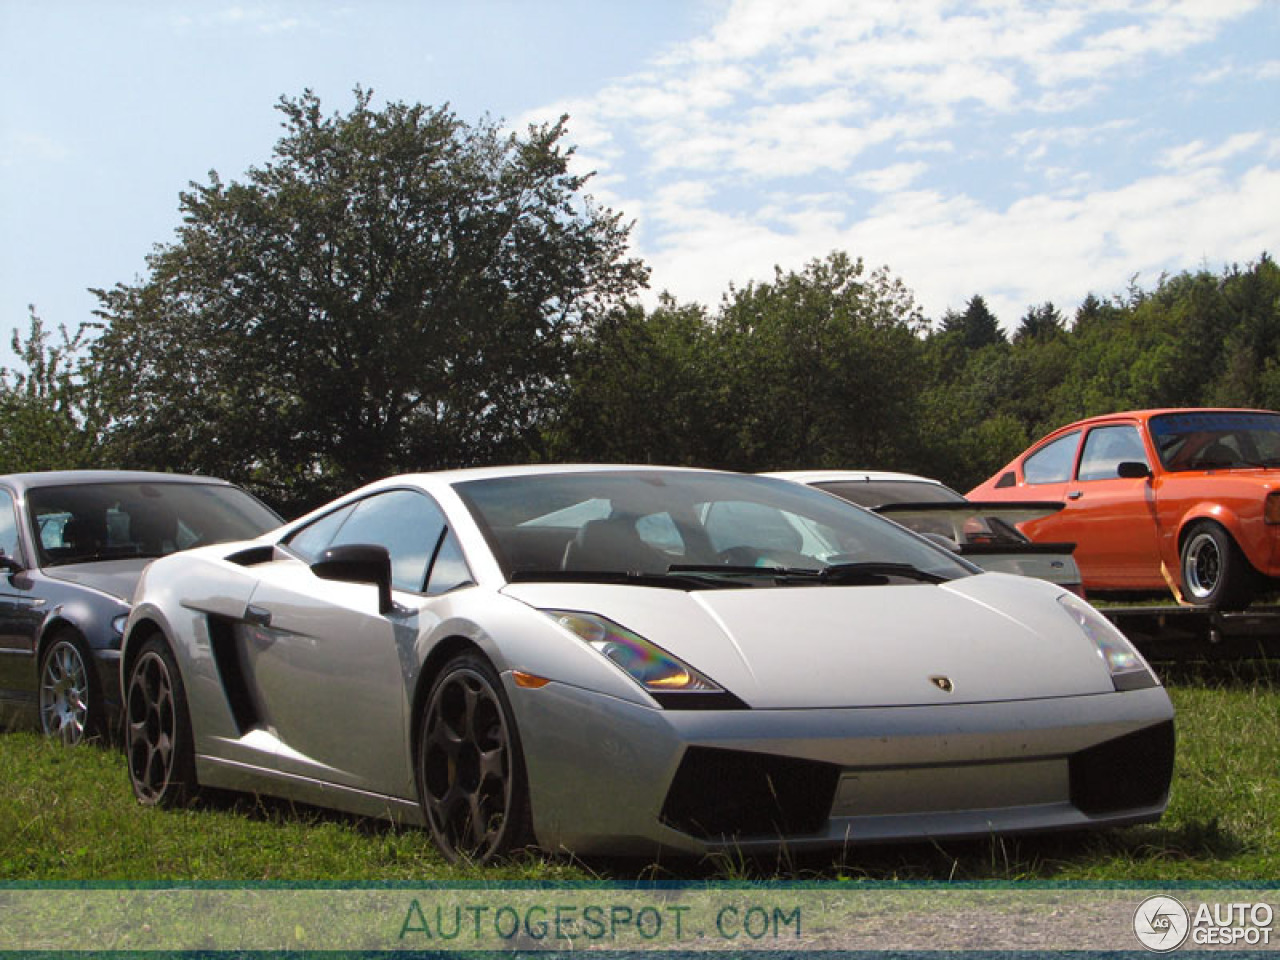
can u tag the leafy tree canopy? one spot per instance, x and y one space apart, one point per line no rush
395 290
44 404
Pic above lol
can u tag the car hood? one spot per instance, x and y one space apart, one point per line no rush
984 638
117 578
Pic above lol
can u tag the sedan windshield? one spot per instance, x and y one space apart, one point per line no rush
693 529
87 522
1204 440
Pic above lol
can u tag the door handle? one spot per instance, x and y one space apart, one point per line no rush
257 615
1075 494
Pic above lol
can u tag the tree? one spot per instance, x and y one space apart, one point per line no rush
395 290
1041 324
649 388
823 367
44 416
977 327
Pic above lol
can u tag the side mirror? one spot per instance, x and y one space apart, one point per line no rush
358 563
1132 470
9 565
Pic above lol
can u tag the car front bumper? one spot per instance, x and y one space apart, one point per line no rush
609 776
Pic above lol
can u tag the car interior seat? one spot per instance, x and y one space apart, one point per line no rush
611 544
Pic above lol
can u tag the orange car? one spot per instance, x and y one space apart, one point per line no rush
1182 499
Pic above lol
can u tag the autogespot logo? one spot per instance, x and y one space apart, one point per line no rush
1161 923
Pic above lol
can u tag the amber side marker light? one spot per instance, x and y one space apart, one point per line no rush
529 681
1271 511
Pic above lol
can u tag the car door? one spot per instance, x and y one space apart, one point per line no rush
333 673
1046 472
20 616
1112 519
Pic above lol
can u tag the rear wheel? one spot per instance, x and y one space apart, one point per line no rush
471 776
158 742
1215 573
70 705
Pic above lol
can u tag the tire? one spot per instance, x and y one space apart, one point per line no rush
69 699
470 767
157 729
1213 570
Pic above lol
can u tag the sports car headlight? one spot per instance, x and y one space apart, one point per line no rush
1128 670
644 662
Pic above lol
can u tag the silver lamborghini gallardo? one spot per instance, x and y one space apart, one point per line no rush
627 660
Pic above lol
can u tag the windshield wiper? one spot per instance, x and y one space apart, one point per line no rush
836 573
639 578
740 570
875 572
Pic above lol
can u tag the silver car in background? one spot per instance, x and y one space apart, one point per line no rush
633 659
982 532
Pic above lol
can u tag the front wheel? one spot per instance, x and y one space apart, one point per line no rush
70 706
158 742
1214 571
471 776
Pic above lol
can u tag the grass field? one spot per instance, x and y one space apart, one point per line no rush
69 815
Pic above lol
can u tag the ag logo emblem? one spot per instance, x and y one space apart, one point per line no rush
1161 923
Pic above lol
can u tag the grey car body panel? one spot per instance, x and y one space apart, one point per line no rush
838 674
115 578
606 779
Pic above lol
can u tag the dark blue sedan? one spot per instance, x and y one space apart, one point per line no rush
72 547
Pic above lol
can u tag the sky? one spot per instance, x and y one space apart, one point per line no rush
1025 151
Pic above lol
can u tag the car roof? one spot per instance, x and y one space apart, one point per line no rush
1155 412
63 478
438 479
850 476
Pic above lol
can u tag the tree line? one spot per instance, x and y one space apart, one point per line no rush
396 290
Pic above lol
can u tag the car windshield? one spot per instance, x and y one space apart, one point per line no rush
691 530
87 522
1200 440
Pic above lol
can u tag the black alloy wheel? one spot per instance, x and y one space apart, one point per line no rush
158 741
471 777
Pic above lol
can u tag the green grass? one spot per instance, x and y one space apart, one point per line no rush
69 815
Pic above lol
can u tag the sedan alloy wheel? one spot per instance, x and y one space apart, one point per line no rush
66 699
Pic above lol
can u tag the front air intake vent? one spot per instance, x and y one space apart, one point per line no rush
1128 773
732 793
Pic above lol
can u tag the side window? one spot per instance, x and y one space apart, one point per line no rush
1105 448
313 539
407 523
449 571
1052 463
8 527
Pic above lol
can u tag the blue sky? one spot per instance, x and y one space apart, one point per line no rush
1025 151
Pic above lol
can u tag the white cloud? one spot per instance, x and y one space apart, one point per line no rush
1056 246
23 147
724 149
1196 154
267 20
890 179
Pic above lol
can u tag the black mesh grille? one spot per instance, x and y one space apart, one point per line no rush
1126 773
732 793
